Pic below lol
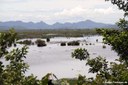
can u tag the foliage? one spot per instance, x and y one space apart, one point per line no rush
6 40
81 80
26 42
73 43
119 42
48 39
31 80
103 46
90 43
96 40
63 44
96 64
13 73
105 71
119 72
80 54
122 24
45 79
40 43
64 82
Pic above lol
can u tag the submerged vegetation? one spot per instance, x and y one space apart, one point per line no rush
63 44
73 43
40 43
26 42
103 46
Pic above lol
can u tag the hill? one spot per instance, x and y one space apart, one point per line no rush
88 24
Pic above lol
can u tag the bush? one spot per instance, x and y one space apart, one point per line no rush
104 46
96 40
80 53
63 44
73 43
48 39
26 42
40 43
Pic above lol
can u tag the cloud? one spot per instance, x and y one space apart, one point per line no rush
11 1
77 11
86 13
108 10
52 11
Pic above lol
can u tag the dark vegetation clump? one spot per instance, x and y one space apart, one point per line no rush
26 42
104 46
63 44
80 53
73 43
96 40
90 43
48 39
40 43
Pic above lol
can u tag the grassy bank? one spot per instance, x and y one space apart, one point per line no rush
48 33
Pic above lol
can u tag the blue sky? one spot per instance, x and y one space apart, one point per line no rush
51 11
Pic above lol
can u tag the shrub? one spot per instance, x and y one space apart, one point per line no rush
48 39
80 53
69 43
96 40
40 43
26 42
73 43
63 44
104 46
32 43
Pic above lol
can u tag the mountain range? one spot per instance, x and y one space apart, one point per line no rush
88 24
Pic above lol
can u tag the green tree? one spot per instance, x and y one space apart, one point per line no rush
81 54
13 73
118 39
122 24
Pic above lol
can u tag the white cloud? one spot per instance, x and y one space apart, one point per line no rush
108 10
80 11
77 11
52 11
107 15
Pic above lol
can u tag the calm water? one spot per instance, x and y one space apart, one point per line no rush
57 59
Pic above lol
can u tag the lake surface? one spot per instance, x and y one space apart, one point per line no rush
57 59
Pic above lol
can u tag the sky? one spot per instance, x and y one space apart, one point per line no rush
52 11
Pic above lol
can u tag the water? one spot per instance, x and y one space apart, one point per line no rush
57 59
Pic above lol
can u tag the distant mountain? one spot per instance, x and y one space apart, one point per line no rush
42 25
20 25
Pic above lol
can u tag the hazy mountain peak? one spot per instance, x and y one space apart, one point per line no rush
88 20
57 23
42 25
41 22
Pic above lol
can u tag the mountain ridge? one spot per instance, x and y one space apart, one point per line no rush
87 24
